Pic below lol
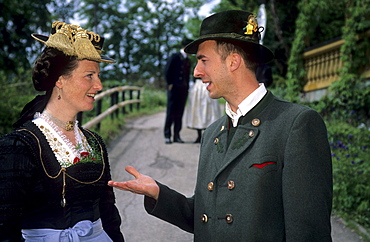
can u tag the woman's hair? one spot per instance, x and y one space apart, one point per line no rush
225 48
49 66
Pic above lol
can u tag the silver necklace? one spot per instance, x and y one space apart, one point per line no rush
67 125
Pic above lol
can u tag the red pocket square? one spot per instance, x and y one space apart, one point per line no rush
263 164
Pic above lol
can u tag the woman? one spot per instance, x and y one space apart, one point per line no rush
54 173
201 110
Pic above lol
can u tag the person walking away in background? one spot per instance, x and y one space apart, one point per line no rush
53 172
265 171
177 74
264 74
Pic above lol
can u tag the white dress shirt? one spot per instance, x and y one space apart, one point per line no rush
246 105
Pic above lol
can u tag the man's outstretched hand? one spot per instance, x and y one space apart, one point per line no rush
142 184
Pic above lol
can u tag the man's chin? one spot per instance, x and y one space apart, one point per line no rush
213 96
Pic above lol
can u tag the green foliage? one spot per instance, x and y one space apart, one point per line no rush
351 92
350 148
140 35
279 29
62 10
153 100
305 27
14 96
18 20
314 19
279 86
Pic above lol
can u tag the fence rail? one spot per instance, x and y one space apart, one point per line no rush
323 64
115 105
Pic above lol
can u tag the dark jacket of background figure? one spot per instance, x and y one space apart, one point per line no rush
264 74
271 180
31 199
177 73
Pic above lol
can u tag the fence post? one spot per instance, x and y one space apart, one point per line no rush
123 99
138 97
115 102
131 97
98 111
113 94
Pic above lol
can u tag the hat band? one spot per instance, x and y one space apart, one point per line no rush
228 36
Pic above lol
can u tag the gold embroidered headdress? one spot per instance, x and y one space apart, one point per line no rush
73 40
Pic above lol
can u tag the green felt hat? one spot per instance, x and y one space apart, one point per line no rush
237 27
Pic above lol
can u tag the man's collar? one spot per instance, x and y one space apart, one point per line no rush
247 104
183 53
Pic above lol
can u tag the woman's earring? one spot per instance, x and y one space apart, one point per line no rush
59 97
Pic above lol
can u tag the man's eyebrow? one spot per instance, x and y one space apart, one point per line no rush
200 57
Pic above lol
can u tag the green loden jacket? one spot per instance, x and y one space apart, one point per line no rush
268 179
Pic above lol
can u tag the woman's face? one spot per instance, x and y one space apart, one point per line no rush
78 89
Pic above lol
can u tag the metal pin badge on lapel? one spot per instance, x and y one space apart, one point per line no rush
256 122
222 128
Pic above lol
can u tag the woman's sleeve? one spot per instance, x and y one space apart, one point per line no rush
16 168
110 217
108 211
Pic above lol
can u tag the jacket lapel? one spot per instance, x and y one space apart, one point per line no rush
243 138
245 135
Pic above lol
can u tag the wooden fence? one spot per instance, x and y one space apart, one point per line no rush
115 94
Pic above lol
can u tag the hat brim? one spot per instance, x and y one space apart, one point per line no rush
261 53
43 39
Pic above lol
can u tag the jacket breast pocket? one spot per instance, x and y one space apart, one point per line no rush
263 166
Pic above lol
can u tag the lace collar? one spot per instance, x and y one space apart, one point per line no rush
64 150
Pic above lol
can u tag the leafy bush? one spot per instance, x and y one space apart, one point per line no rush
14 96
153 99
350 148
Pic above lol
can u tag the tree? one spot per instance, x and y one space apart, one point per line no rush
19 19
140 35
106 19
62 10
350 94
281 17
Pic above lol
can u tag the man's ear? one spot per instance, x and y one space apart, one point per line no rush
235 61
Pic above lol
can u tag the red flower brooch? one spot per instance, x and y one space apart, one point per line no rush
84 157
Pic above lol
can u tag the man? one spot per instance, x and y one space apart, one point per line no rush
264 74
177 73
264 170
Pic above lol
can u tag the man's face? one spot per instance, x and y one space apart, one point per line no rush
213 70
